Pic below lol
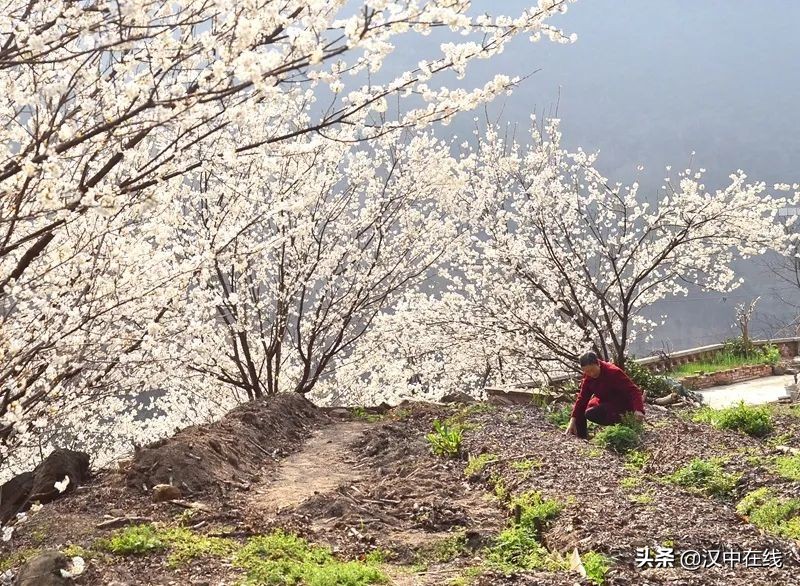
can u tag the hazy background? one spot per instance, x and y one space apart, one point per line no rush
647 83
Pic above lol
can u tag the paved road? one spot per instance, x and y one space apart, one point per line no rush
760 390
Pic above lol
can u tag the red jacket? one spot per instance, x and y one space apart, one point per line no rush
613 388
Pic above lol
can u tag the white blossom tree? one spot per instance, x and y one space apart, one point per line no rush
115 113
561 261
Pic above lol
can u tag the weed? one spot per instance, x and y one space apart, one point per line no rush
282 558
186 545
526 466
754 421
73 550
134 540
477 464
788 466
596 566
559 415
705 476
619 437
183 544
771 513
645 498
630 482
364 415
594 453
499 486
636 460
517 547
445 439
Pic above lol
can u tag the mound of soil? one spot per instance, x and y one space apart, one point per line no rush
231 451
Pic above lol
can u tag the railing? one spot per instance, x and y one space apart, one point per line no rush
788 347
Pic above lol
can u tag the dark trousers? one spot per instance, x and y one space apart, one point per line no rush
600 414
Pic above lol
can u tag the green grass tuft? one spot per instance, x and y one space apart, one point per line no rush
705 476
752 420
773 514
596 566
788 467
477 464
284 559
445 440
621 437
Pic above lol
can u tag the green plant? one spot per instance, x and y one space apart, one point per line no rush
518 547
749 419
788 466
771 513
645 498
619 437
655 385
596 566
285 559
705 476
185 545
182 543
630 482
446 438
498 486
772 354
526 466
134 540
636 460
740 347
477 464
559 415
18 557
364 415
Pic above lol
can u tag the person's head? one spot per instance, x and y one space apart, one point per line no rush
590 365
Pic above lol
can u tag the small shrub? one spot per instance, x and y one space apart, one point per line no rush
596 566
705 476
477 464
653 384
773 514
752 420
620 437
772 355
445 439
740 348
788 466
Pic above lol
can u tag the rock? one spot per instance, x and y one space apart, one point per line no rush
778 370
458 397
340 412
58 465
165 492
44 570
796 360
20 492
14 494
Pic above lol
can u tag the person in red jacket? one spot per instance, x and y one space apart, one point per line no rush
606 394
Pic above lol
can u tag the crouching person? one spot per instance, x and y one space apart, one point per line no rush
606 394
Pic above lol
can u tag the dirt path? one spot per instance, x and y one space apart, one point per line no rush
324 462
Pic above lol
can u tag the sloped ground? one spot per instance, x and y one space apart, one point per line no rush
361 486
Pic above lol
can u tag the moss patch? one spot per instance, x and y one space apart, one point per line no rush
281 558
